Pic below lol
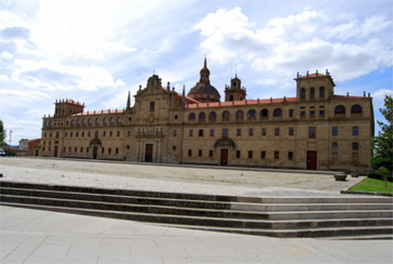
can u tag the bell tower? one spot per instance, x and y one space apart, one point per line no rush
235 92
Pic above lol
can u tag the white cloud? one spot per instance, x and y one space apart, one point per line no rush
296 42
6 55
53 76
381 93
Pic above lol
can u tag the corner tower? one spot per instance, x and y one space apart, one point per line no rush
203 91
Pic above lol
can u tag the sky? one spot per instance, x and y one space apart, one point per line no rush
95 51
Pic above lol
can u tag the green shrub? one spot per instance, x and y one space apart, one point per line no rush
378 176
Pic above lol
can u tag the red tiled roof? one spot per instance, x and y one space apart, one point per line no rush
100 112
313 75
346 97
243 102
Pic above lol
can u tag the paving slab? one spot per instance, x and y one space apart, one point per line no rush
66 238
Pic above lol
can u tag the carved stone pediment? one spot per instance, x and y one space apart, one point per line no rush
224 142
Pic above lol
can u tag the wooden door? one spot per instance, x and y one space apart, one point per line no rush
149 153
224 157
311 160
95 152
56 150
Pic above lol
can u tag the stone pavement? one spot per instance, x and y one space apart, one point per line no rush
33 236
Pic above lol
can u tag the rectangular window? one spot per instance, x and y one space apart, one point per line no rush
152 106
88 134
210 153
76 150
118 133
225 132
199 153
290 155
355 145
276 155
69 149
238 132
81 149
355 131
302 114
102 150
212 132
250 154
104 133
83 134
251 132
291 131
174 133
71 134
117 150
238 154
110 133
87 150
109 150
277 131
334 131
312 114
190 152
291 112
263 132
263 154
321 113
312 132
190 133
200 132
334 146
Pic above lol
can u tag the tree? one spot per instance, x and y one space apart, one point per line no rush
2 134
383 143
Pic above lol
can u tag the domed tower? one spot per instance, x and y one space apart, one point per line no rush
203 91
235 92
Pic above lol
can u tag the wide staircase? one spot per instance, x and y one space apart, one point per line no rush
344 217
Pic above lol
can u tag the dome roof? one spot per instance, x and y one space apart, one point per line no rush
205 88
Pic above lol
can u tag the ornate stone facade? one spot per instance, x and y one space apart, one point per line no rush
314 130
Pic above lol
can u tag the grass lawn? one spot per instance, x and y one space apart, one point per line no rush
372 185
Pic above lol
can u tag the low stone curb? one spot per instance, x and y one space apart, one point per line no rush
366 193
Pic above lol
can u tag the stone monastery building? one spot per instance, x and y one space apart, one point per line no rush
314 130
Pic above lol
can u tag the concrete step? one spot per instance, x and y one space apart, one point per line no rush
239 206
203 197
232 225
274 216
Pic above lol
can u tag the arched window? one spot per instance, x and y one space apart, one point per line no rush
191 117
340 109
356 109
277 112
202 117
302 94
97 121
312 93
239 115
105 120
264 113
225 116
90 121
251 114
212 116
119 120
322 92
84 121
112 120
72 122
231 98
78 122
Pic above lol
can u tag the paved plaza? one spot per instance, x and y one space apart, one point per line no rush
33 236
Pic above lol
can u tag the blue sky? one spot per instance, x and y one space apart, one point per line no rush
96 51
